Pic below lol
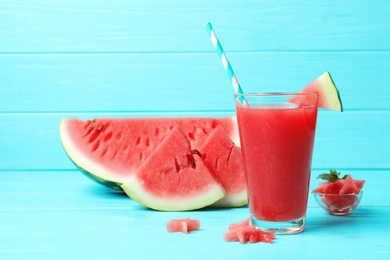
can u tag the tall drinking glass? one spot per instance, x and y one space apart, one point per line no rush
277 137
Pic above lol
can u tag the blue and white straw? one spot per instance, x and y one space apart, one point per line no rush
224 59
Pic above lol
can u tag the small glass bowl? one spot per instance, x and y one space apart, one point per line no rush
338 204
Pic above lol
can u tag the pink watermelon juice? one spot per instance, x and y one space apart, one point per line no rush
277 143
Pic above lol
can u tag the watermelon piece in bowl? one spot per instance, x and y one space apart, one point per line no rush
174 178
109 150
338 196
338 204
244 232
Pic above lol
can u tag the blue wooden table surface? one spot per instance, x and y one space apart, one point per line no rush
63 215
118 58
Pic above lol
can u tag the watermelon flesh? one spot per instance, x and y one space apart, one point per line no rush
328 96
341 186
109 150
183 225
174 178
243 232
334 201
341 196
224 159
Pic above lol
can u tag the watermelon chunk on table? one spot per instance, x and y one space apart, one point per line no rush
243 232
185 225
329 187
348 185
328 96
338 202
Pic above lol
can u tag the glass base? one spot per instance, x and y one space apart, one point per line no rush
280 227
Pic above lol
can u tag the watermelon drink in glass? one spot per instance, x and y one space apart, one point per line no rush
277 136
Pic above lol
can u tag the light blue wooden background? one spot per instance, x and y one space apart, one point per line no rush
90 59
118 58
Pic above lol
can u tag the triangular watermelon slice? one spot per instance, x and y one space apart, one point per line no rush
174 178
109 150
328 96
224 159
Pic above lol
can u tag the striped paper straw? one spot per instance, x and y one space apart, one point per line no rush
224 59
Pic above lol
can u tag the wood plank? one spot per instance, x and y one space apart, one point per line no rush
181 81
172 26
354 139
53 215
94 234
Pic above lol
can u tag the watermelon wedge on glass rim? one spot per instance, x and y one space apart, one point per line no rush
109 150
328 96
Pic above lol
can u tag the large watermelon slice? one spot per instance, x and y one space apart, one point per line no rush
224 159
109 150
328 96
174 178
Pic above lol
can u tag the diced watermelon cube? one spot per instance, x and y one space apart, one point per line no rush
244 232
359 184
230 236
241 224
192 224
339 202
266 237
329 187
349 186
183 225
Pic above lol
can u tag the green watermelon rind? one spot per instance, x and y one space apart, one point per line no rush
134 189
88 168
238 199
109 184
328 94
98 173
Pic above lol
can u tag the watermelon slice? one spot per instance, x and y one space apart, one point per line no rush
328 96
174 178
332 187
109 150
224 159
338 204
